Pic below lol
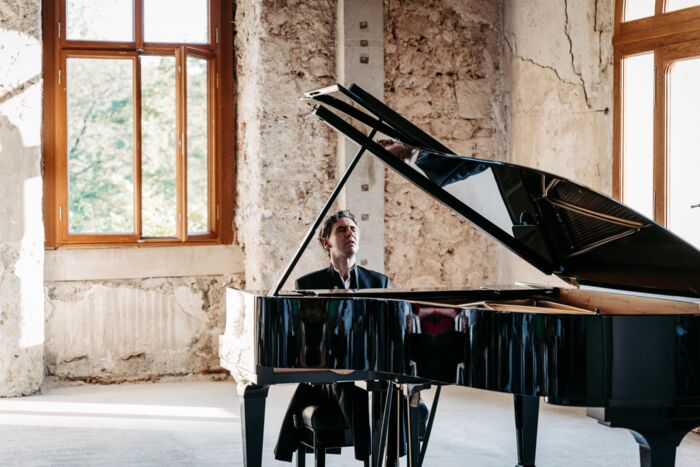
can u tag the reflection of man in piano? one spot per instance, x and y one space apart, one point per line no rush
340 237
439 330
441 169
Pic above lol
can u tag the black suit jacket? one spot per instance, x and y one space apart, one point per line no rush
351 400
328 278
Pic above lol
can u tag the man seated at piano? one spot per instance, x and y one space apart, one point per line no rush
340 238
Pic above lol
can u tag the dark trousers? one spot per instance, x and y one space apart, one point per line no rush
353 404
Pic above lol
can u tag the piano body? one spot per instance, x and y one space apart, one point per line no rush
623 341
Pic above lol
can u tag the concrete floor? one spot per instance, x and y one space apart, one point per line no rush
197 424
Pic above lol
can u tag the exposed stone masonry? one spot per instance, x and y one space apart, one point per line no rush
443 72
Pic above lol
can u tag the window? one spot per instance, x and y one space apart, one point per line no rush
657 142
138 105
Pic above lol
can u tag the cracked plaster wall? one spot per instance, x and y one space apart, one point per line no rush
443 72
286 159
559 57
21 231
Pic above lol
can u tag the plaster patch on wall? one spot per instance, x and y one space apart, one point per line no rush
108 331
21 232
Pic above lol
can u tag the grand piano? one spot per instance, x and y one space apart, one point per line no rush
623 339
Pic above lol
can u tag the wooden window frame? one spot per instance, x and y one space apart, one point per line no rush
670 36
219 56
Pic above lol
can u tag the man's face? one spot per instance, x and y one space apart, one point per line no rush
344 239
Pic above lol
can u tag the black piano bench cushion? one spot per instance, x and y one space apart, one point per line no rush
323 417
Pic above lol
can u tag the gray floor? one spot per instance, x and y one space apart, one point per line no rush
197 423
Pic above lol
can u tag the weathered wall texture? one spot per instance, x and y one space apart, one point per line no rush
164 320
21 229
111 331
286 159
526 81
443 72
559 58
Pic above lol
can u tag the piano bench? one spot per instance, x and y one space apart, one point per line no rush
322 428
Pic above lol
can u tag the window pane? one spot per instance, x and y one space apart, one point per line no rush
673 5
635 9
197 146
159 151
684 150
100 20
100 145
181 21
638 132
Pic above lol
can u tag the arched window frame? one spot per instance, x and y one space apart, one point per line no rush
670 36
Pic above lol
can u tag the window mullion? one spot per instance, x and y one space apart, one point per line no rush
213 170
181 177
138 211
660 129
61 144
138 23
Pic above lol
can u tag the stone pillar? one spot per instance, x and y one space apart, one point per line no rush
21 229
360 52
286 159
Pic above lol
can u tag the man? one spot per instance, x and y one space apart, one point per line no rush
340 238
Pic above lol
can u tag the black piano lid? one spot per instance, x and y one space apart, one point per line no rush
558 226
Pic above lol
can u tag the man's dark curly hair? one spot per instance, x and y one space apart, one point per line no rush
325 231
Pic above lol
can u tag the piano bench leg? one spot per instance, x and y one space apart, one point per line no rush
320 454
526 414
301 455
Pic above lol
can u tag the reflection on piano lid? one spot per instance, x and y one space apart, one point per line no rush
555 224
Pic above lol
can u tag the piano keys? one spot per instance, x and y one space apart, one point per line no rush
622 340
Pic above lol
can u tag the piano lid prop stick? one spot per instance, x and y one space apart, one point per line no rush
305 242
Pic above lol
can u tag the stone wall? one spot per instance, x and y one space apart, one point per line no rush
443 72
559 59
21 229
287 162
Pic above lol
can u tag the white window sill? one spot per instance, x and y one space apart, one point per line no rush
67 264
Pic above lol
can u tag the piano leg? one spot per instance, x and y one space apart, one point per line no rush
658 450
252 399
526 414
657 430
